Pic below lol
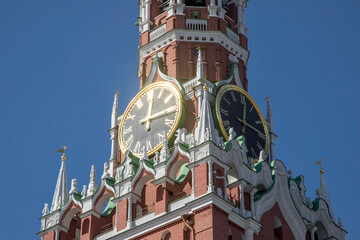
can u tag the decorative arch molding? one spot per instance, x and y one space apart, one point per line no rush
68 213
280 194
174 164
139 181
103 197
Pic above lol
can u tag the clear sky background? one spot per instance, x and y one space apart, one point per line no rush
62 61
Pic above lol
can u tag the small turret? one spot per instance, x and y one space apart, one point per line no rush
270 124
92 184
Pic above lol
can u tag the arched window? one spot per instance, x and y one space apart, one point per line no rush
277 229
229 234
85 226
166 235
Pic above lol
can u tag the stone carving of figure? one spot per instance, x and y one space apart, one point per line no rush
164 152
157 157
221 142
309 203
45 211
232 133
317 192
73 187
129 170
340 224
207 134
290 173
192 141
83 192
106 171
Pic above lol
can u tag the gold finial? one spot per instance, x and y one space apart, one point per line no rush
62 150
198 48
117 92
267 99
319 163
203 80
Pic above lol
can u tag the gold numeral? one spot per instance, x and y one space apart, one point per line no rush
161 91
130 117
129 141
167 98
259 146
148 145
139 104
243 101
169 122
137 147
128 130
225 112
227 101
261 135
161 137
233 96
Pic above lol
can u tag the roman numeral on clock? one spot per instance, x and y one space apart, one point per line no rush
129 141
259 146
126 131
161 137
169 122
225 112
226 124
137 147
139 104
242 99
148 145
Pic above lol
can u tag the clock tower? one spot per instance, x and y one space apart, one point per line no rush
192 156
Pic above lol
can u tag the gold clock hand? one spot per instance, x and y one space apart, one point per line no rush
244 114
159 114
245 123
151 103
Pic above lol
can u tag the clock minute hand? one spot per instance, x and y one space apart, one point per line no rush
159 114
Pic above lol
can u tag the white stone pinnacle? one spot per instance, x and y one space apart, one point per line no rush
92 184
61 190
205 130
324 194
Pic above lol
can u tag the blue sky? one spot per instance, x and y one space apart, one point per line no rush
62 61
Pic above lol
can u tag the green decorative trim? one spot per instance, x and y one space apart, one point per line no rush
149 163
109 208
77 196
184 171
110 181
184 146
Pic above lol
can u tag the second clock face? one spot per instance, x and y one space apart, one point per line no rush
235 108
152 115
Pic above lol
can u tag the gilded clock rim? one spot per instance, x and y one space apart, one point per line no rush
230 87
179 109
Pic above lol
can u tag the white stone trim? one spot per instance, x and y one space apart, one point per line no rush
183 35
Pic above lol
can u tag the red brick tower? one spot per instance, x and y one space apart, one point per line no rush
192 156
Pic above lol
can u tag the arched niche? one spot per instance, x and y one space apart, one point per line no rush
100 203
278 234
166 235
69 216
175 167
321 232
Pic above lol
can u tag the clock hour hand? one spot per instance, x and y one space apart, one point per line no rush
151 103
159 114
246 124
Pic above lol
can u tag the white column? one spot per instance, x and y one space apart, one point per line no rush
219 3
249 234
57 234
193 181
129 221
252 203
212 9
210 185
241 198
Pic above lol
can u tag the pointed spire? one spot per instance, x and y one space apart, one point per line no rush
205 130
92 184
61 189
270 125
199 65
115 110
324 194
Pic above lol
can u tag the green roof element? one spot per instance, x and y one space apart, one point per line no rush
149 163
110 181
77 196
184 171
258 166
109 207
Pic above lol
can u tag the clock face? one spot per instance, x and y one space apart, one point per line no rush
152 115
235 108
